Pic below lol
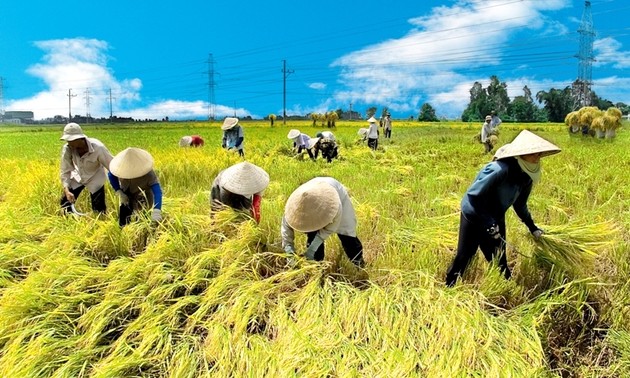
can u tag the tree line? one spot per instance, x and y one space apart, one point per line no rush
556 104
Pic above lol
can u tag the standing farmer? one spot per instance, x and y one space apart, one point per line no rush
321 207
83 164
137 186
486 132
239 187
233 135
500 184
372 134
387 125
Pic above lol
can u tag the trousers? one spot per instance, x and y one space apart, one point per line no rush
351 245
471 237
97 199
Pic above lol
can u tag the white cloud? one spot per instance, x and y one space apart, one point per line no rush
79 66
425 64
318 86
608 51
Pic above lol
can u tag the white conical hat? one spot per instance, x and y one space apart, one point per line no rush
185 141
245 179
362 131
312 206
229 123
312 142
293 133
372 119
131 163
527 143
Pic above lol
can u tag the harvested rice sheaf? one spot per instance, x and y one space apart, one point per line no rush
573 249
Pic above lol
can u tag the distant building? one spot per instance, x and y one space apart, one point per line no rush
17 116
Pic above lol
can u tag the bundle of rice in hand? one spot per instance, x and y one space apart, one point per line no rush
571 250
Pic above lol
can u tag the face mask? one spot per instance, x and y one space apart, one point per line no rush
533 170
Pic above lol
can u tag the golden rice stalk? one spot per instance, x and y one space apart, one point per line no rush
572 249
598 123
614 112
611 122
572 119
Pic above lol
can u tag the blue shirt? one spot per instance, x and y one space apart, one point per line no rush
499 185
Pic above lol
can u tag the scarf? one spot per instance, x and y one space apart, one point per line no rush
532 169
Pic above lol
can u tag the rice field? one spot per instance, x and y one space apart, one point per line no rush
212 296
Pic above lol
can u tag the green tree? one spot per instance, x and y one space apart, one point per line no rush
522 108
427 113
371 111
477 104
557 103
498 99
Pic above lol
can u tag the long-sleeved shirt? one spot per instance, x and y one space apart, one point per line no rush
87 170
233 138
499 185
301 141
387 123
141 190
373 131
486 130
344 223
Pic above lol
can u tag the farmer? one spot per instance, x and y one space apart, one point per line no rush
83 164
486 131
137 185
319 208
387 125
300 142
373 133
233 135
363 133
239 187
495 121
191 141
325 134
328 148
500 184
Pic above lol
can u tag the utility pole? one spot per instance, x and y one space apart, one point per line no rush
351 111
87 104
70 95
111 113
285 73
211 85
582 87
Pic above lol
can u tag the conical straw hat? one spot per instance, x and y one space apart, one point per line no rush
245 179
131 163
185 141
312 206
362 131
372 119
229 123
293 134
527 143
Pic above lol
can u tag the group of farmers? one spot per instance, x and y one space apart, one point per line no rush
320 207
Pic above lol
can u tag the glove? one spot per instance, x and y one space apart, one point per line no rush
493 231
538 233
156 215
310 253
122 197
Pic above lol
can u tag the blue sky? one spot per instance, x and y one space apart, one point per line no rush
154 56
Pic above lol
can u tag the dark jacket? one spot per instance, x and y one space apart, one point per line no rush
499 185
